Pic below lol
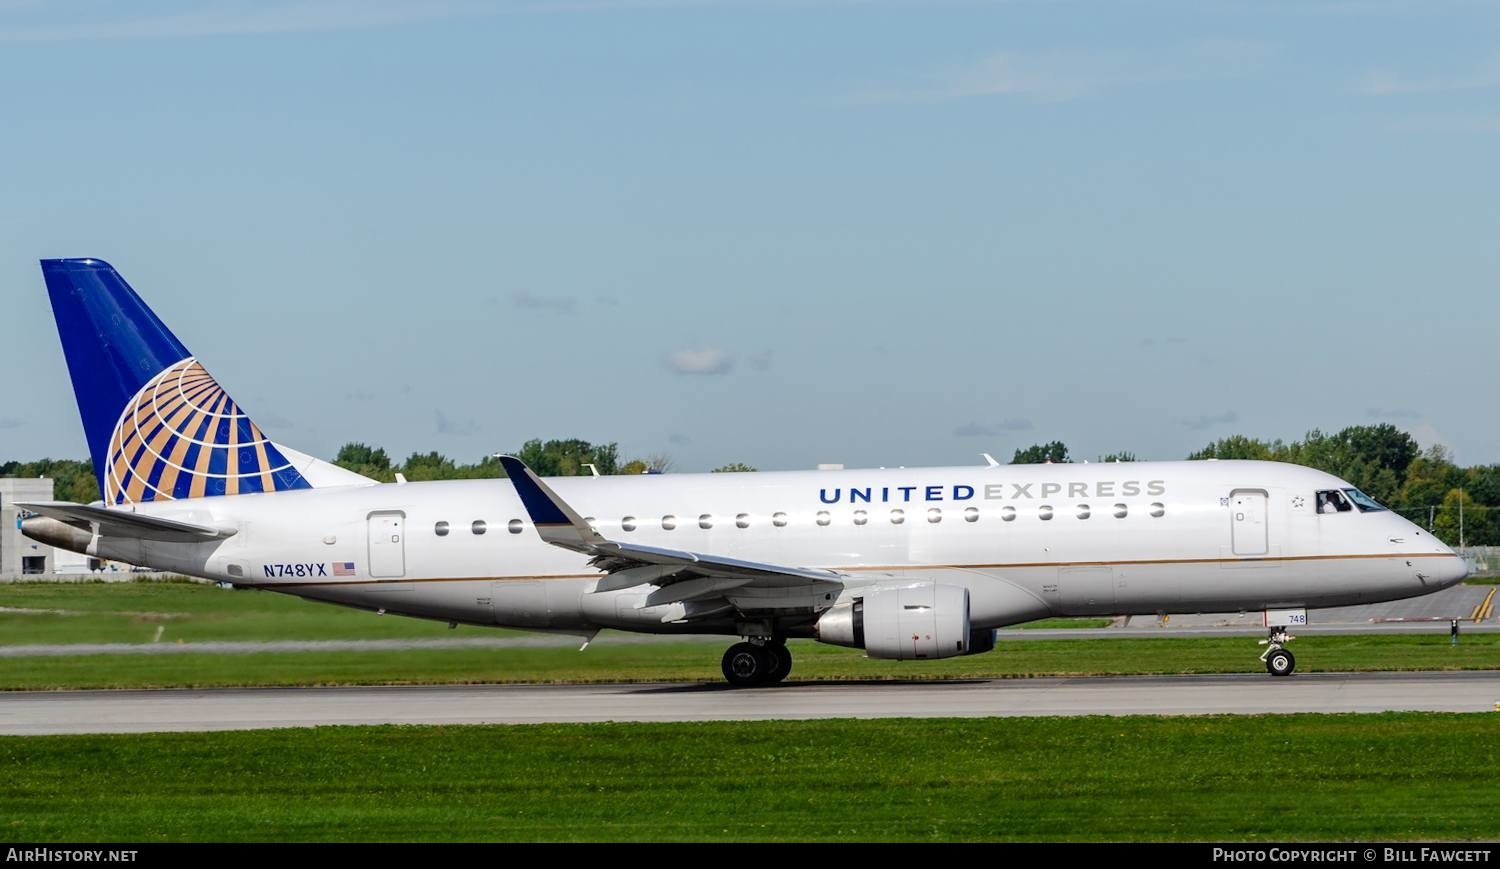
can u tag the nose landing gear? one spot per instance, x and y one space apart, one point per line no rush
1278 659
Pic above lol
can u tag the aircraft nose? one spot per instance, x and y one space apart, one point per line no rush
1450 571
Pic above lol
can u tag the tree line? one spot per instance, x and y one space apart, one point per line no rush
1425 486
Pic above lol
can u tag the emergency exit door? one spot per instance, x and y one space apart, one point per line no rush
387 544
1247 516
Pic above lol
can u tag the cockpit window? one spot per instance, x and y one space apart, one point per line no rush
1364 502
1333 501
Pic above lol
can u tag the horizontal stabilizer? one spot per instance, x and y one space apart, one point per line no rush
122 523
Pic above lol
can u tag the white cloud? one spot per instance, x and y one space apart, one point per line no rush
1004 73
705 361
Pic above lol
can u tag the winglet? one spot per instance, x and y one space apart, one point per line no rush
555 521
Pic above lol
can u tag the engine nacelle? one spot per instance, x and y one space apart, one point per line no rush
924 620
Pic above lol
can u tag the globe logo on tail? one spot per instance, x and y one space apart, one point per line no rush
182 436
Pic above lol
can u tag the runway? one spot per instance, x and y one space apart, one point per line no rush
255 708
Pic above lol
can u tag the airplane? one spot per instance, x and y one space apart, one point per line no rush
909 563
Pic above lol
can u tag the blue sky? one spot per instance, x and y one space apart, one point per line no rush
781 233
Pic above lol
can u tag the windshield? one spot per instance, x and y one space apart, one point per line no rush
1364 502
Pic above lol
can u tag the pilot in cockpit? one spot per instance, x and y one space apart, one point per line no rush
1332 502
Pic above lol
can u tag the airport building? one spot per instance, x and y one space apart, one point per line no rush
20 556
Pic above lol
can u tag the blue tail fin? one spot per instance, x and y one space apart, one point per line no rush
159 426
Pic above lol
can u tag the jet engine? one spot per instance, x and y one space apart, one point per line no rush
922 620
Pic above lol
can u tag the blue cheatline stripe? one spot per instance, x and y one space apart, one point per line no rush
538 505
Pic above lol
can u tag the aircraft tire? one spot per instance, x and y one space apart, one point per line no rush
746 665
783 663
1281 662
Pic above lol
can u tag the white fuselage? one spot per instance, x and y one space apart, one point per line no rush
1143 537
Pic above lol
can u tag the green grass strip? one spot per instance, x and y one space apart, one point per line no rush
699 661
1393 776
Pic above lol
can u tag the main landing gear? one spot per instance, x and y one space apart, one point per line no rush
757 663
1278 659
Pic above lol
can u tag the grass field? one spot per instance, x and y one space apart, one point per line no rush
1276 778
699 661
192 613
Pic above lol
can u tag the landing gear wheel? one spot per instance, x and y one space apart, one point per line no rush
746 664
783 665
1280 662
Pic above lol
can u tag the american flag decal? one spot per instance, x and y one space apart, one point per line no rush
343 568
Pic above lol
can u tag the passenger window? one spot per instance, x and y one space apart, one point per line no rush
1008 514
440 529
1158 509
742 520
971 514
934 515
1120 511
1333 501
627 524
861 517
705 521
514 526
898 516
1083 511
824 518
479 527
668 522
778 519
1045 512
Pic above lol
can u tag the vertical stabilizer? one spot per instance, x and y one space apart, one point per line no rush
159 426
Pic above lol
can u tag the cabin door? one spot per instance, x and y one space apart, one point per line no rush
1247 516
387 544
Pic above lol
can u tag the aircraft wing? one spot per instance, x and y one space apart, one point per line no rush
123 523
691 574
